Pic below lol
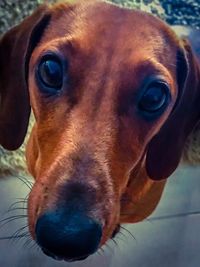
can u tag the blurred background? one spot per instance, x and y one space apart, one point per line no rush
185 12
169 237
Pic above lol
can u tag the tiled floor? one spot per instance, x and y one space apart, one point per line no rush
170 238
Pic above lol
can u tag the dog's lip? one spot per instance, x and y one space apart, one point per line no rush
46 252
60 258
76 259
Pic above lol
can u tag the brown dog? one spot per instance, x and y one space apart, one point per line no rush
115 93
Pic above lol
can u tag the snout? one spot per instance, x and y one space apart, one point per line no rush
70 218
68 235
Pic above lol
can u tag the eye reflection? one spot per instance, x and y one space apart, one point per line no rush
155 97
50 74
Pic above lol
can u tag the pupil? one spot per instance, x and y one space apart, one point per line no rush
51 74
153 99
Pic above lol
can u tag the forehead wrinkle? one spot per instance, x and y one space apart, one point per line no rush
103 28
88 21
153 66
54 45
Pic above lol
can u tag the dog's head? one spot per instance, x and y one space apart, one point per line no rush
115 94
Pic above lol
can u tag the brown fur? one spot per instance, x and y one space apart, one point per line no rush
92 136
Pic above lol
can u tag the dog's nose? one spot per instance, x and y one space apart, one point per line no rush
69 236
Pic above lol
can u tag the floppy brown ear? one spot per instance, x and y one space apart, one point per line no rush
16 47
165 149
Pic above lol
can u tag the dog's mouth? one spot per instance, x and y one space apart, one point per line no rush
61 258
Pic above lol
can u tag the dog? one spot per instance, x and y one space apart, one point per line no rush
115 93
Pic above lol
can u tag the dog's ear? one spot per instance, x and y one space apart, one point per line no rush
16 47
165 149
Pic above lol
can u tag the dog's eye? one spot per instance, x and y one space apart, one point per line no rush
155 97
50 74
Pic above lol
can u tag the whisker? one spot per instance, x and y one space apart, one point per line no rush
26 182
115 242
148 220
102 250
21 236
11 237
99 252
16 233
128 232
34 246
122 239
18 208
12 206
110 248
22 201
121 233
27 242
29 179
11 218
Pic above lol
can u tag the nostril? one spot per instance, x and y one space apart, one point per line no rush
67 236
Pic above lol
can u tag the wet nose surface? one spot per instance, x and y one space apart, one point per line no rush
68 236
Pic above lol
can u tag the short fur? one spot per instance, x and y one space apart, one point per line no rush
92 135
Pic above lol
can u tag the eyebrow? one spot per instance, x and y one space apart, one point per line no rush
150 65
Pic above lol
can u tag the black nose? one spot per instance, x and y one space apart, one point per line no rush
68 236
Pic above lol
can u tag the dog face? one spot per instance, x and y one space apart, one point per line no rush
107 87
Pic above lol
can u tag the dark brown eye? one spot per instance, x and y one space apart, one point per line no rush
50 74
155 97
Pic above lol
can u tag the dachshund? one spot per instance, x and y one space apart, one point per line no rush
115 93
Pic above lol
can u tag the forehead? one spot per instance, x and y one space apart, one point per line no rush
102 25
